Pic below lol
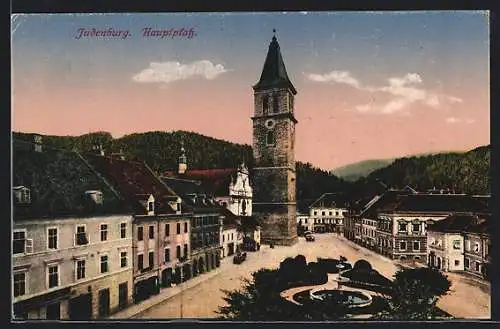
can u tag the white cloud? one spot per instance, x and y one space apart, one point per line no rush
454 99
453 120
395 105
168 72
335 76
405 91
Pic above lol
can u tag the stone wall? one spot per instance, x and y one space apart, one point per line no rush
279 225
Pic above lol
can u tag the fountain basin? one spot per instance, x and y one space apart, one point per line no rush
353 299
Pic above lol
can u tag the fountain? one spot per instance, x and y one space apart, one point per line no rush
353 299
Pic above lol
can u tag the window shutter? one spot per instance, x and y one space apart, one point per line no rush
29 246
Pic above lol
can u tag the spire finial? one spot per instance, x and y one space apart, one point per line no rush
274 34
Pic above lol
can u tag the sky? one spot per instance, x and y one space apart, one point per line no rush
371 85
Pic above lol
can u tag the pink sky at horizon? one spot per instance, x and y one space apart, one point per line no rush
319 128
67 87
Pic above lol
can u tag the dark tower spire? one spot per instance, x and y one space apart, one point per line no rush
274 169
274 72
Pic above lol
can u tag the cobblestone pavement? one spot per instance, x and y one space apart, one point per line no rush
469 298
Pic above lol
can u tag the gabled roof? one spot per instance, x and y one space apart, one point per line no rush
461 223
194 197
212 181
331 200
135 181
58 180
439 203
385 201
274 72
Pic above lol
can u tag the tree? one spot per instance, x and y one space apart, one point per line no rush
415 294
362 265
260 300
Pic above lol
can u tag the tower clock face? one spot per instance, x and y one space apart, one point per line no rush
270 124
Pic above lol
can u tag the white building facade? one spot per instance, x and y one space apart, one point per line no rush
72 268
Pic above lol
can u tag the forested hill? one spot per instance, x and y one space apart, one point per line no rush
467 172
160 150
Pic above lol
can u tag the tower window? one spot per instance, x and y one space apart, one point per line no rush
265 104
270 138
276 104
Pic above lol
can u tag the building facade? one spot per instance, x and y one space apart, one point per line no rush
72 243
161 227
225 189
477 254
402 225
460 242
206 221
328 213
304 224
274 172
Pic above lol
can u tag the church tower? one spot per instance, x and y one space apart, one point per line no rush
274 201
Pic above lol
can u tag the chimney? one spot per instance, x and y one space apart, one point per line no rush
182 160
37 139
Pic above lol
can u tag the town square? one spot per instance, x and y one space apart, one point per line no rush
299 166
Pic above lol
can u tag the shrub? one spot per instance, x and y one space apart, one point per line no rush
317 275
329 265
301 261
362 265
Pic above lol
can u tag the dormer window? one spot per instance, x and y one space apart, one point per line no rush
95 196
22 195
151 206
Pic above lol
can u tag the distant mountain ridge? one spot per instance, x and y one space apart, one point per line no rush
467 172
354 171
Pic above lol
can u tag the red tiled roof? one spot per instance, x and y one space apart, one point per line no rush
215 181
135 181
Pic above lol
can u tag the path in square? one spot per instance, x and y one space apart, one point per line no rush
469 298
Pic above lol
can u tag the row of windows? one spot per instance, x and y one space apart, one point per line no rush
151 231
205 221
476 248
467 263
21 244
200 240
403 245
368 232
228 236
457 244
266 104
330 213
403 227
53 273
167 257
